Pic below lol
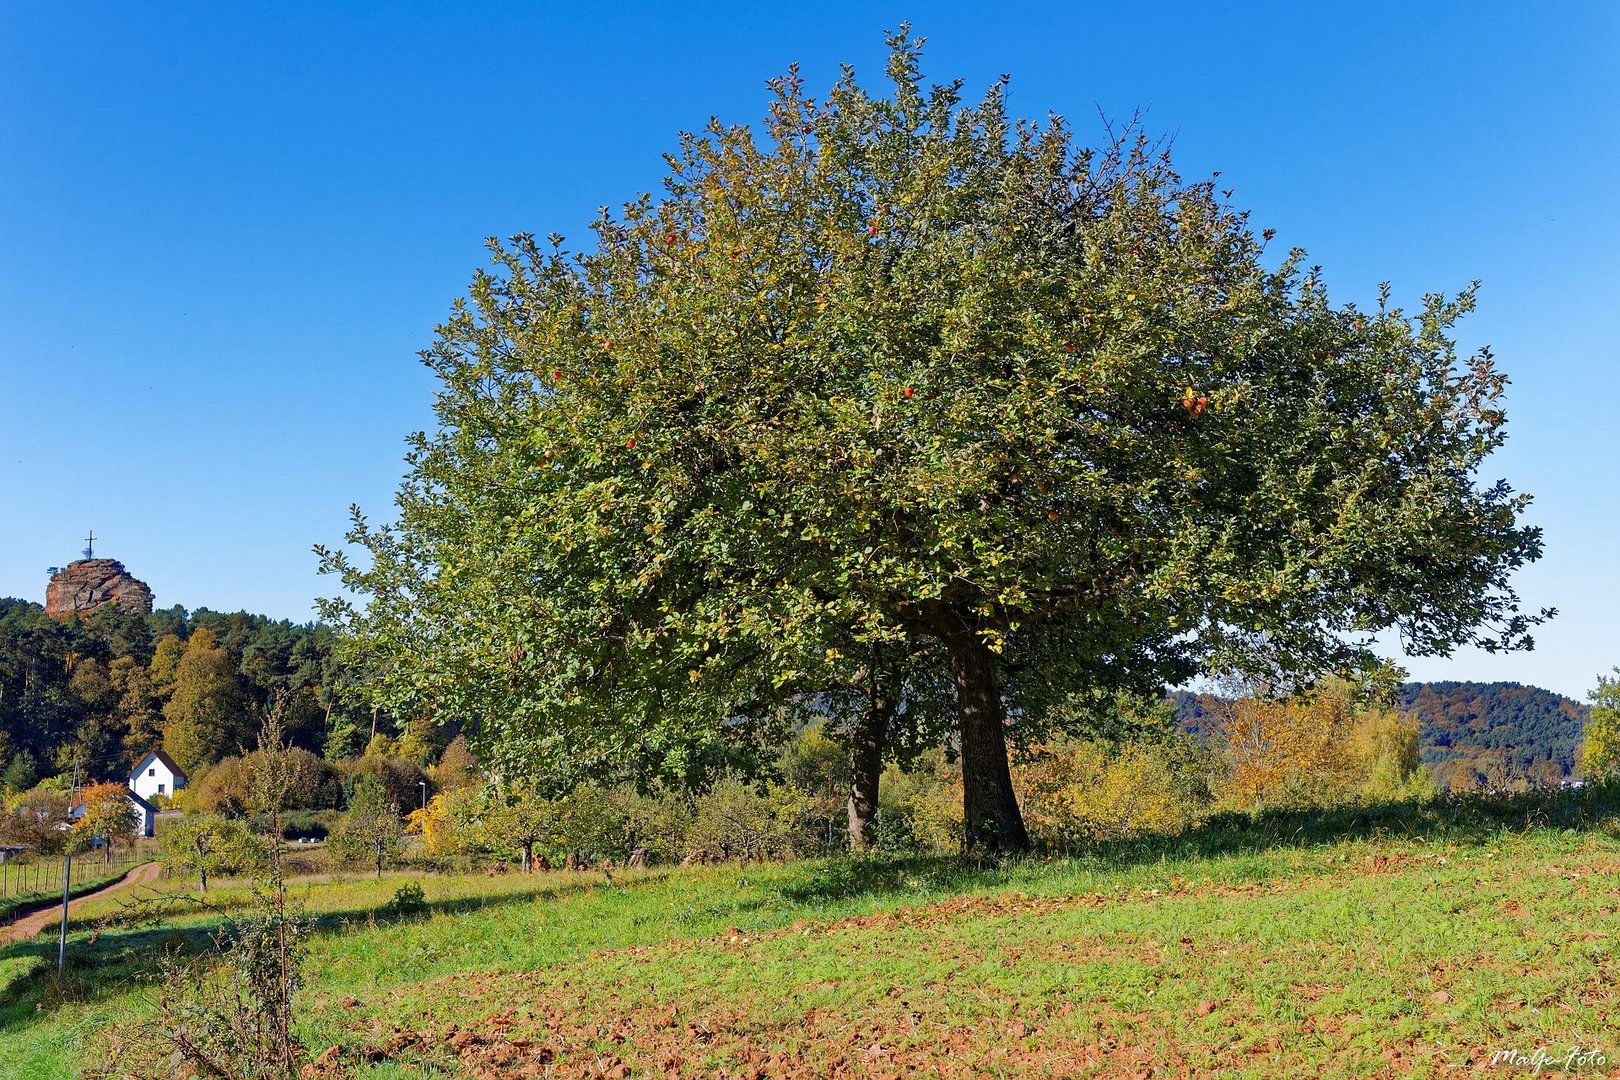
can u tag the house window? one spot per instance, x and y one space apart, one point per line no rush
152 771
160 789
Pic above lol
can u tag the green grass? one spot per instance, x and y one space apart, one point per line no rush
1356 943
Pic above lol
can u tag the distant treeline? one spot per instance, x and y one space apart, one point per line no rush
1492 734
102 690
1473 735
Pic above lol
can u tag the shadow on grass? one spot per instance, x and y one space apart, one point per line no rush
1459 819
114 959
114 964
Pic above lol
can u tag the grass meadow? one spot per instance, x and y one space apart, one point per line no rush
1426 941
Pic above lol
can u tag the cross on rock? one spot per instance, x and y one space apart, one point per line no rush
90 550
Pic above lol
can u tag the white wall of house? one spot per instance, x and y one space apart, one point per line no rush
147 824
153 777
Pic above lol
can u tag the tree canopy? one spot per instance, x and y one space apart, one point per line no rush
901 384
1600 753
103 690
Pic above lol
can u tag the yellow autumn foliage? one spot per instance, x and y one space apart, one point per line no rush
1086 791
1319 749
435 824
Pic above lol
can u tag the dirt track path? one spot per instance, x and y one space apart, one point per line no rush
51 915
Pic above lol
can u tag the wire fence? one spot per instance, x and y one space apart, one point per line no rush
43 876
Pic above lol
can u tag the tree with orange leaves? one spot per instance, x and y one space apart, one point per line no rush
109 817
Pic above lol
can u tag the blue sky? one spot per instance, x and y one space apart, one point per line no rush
225 230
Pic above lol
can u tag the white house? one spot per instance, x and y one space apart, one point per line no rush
156 774
145 814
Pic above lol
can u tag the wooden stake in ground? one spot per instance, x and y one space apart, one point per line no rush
67 876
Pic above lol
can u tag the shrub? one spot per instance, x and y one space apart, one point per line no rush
1075 792
921 807
1600 750
740 820
1386 743
1320 749
311 784
435 823
409 899
816 764
457 768
400 779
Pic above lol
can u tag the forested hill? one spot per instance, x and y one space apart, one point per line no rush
103 689
1473 734
1496 731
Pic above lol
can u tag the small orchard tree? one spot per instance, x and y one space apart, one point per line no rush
904 373
371 831
210 845
36 819
514 815
1600 754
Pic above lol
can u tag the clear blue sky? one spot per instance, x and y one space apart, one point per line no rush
225 229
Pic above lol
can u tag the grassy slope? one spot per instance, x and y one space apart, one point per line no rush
1254 952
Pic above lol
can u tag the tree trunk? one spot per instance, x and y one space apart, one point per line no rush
989 807
866 741
528 858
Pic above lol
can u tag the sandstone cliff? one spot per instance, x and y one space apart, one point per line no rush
83 586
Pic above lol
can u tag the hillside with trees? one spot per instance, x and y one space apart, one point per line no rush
1496 735
102 690
1473 735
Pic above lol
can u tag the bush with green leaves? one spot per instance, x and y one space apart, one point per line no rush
371 832
1600 754
741 819
409 899
227 787
919 807
1080 791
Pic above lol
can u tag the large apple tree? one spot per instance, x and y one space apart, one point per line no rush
898 380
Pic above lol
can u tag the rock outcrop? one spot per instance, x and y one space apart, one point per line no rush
81 587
